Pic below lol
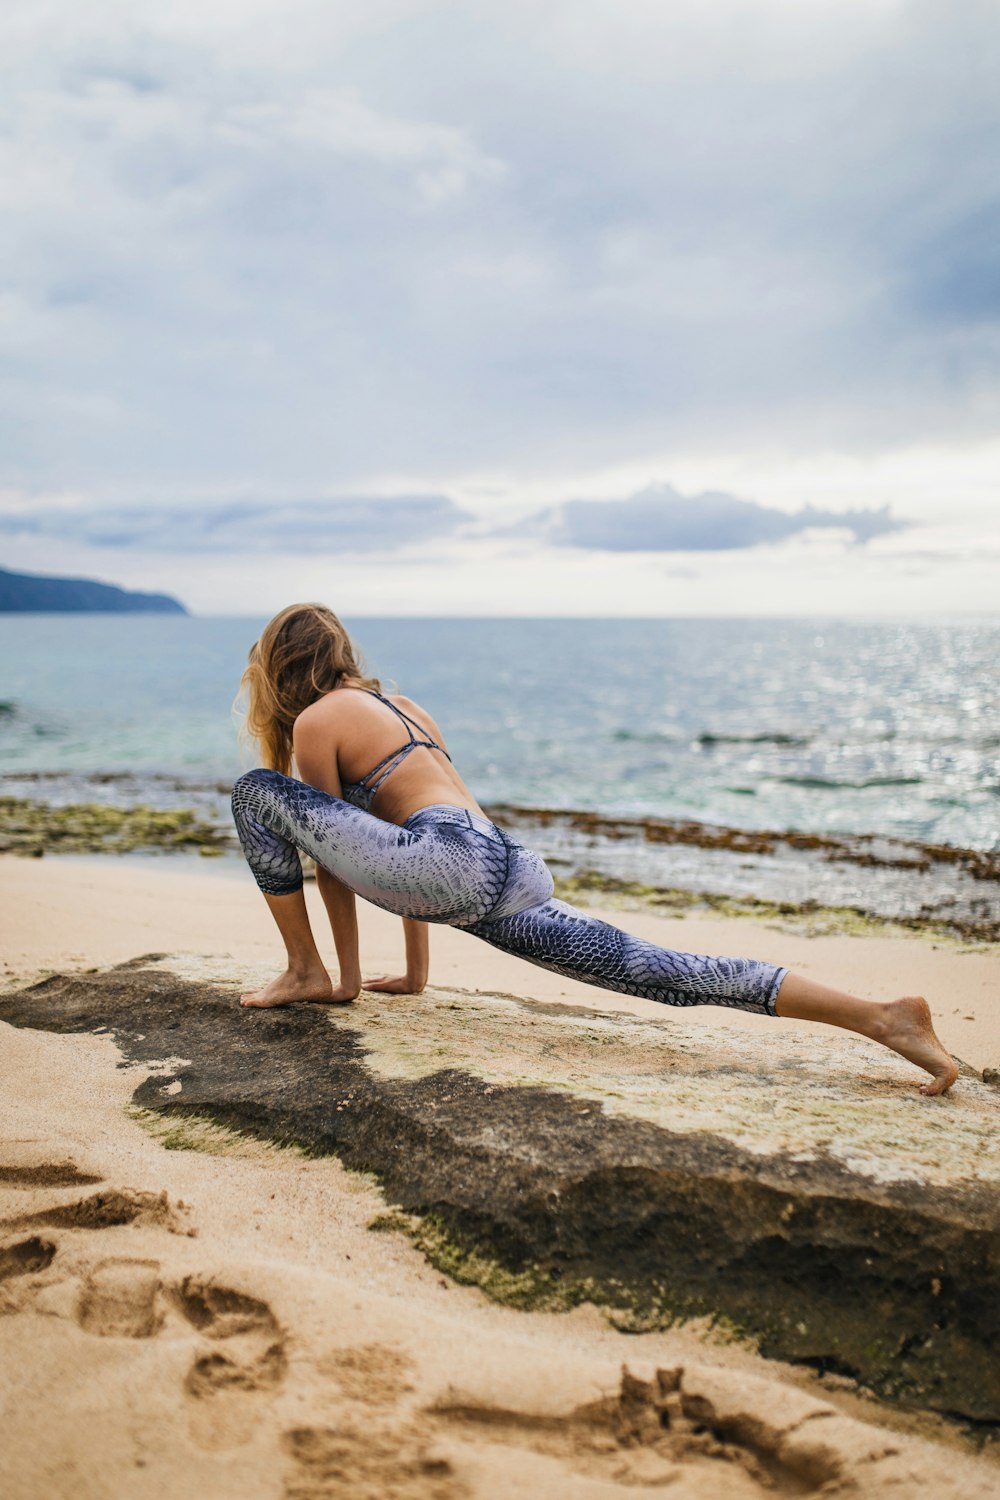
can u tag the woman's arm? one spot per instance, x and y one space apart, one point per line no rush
315 753
315 747
415 938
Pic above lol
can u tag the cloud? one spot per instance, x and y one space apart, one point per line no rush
343 525
659 519
284 246
656 519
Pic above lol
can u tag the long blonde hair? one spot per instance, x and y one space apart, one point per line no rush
302 653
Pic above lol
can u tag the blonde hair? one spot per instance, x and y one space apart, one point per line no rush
302 653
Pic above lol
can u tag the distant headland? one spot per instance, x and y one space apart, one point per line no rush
33 593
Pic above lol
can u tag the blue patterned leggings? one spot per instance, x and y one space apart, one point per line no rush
445 864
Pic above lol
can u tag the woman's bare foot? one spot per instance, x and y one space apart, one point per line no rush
906 1026
288 988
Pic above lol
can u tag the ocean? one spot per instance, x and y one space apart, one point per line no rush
845 763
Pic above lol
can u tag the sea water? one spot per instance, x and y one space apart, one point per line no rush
835 726
826 727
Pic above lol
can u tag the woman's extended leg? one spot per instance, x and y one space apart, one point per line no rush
557 936
904 1025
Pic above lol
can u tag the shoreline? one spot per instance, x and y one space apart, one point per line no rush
830 879
589 889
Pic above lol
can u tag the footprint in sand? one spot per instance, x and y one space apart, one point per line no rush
21 1261
373 1373
46 1174
254 1355
119 1299
107 1210
251 1360
25 1257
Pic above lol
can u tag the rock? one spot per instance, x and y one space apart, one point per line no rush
798 1186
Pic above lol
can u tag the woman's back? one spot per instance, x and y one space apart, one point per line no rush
389 754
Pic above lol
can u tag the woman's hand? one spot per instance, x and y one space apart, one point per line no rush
402 985
417 964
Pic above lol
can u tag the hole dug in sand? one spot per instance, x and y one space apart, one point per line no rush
675 1422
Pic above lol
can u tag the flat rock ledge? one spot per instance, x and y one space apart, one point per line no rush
797 1186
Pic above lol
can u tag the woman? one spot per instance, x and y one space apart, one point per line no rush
385 815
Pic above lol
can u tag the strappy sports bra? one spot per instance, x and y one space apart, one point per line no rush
360 793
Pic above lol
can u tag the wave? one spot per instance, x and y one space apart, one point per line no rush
707 739
792 740
825 783
645 737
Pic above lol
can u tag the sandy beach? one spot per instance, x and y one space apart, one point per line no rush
582 416
231 1325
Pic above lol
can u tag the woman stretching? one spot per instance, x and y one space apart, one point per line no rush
385 815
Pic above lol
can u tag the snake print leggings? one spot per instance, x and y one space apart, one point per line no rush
445 864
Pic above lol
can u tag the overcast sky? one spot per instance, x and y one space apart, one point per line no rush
588 306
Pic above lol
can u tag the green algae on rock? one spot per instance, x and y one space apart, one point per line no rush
29 827
588 887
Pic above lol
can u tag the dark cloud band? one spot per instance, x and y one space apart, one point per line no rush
352 525
657 519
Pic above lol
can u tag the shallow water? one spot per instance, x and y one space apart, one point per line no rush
890 729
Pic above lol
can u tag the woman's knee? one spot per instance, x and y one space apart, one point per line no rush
248 787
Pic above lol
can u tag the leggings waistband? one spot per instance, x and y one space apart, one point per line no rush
445 812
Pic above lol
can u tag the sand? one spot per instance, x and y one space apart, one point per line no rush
221 1320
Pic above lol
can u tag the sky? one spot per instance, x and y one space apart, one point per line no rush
597 307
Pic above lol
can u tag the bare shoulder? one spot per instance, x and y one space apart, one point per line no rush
401 701
417 711
320 717
408 705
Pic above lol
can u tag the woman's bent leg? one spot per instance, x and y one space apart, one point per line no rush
437 870
276 816
556 936
306 977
